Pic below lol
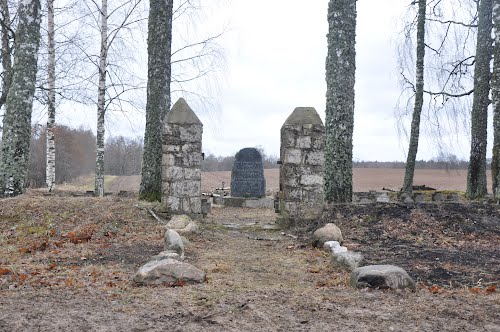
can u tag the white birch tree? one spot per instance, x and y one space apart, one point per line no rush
495 98
340 78
101 101
419 99
50 172
16 133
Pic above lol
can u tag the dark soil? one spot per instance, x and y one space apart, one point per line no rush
444 244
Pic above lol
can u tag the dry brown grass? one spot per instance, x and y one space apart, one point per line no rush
82 251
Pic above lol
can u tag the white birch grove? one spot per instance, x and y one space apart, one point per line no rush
419 99
495 99
476 173
16 133
101 102
50 172
340 78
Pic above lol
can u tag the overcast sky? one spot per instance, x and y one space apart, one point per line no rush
275 61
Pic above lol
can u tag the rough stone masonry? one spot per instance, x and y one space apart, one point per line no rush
181 160
302 165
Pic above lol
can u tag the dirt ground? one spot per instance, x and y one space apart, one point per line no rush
364 179
66 265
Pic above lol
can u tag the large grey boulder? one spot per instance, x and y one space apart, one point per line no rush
169 272
329 232
381 276
173 242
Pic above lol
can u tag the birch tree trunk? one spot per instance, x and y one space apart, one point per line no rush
495 96
419 99
340 78
50 173
476 175
158 95
101 102
6 51
19 105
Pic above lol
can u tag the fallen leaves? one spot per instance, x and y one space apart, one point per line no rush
79 238
491 289
4 271
435 289
314 270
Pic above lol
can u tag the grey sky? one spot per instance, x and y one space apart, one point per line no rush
275 55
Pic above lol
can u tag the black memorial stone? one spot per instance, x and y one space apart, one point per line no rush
247 177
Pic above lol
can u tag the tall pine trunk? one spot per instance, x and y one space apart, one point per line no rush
101 102
19 105
50 171
340 78
495 95
476 175
419 99
158 95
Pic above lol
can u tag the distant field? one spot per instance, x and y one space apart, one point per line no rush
365 179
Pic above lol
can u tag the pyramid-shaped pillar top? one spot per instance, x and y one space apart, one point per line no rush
302 116
181 113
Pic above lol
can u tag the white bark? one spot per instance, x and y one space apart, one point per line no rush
50 172
495 98
419 99
101 102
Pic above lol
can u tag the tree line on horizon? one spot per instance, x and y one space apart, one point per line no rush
76 148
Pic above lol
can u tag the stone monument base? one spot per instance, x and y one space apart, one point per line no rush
258 203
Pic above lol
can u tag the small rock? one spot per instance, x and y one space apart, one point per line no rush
178 222
182 224
381 276
169 271
329 232
185 241
383 198
173 242
365 200
348 260
165 255
191 228
405 198
334 247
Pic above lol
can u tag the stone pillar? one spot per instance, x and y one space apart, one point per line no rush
302 165
181 161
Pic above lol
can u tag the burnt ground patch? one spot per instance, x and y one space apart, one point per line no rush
444 244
